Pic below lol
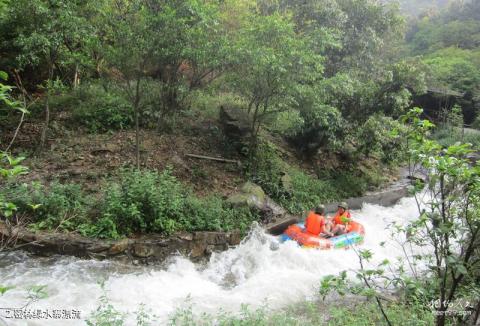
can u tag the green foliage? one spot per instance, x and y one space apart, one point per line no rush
382 136
456 26
206 103
302 191
321 126
140 201
4 289
59 206
368 314
476 123
271 64
144 201
100 110
10 167
106 314
310 314
152 202
455 68
46 35
449 43
449 215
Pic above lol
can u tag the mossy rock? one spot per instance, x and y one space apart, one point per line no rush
250 195
245 200
252 189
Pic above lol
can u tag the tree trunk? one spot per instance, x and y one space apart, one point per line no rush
137 139
254 132
43 137
76 80
46 122
136 108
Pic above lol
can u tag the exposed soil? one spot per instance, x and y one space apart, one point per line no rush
78 156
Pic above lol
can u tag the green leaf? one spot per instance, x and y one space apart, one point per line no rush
462 269
4 289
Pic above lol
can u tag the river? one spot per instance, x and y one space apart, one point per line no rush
254 273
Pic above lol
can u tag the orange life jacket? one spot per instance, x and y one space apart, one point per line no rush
339 218
314 223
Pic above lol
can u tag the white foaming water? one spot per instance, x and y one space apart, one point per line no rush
251 273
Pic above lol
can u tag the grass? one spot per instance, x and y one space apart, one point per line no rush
448 136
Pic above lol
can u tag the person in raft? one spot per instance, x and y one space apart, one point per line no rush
317 224
341 219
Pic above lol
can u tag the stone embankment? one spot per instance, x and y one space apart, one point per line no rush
144 249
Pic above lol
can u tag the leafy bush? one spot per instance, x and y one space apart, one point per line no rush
145 201
380 135
322 126
140 201
310 313
297 191
307 192
207 104
93 106
302 191
99 110
476 123
58 206
445 137
212 214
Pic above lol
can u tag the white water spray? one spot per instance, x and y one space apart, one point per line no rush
251 273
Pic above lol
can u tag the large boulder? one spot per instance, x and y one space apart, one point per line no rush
250 195
253 197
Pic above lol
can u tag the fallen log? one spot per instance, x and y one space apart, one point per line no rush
218 159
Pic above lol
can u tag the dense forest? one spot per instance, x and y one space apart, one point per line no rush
420 7
116 115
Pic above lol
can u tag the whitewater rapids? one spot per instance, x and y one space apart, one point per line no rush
254 273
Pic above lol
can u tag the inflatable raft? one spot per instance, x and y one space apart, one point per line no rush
355 234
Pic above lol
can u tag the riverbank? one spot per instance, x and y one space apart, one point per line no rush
155 248
279 278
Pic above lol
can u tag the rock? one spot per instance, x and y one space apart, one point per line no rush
235 238
143 250
198 249
184 236
119 247
209 249
235 124
279 226
106 148
245 200
275 209
211 237
252 189
251 196
473 158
